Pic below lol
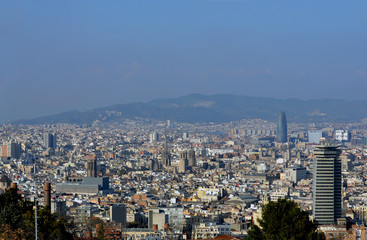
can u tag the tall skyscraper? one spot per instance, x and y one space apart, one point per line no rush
49 140
153 137
327 184
118 214
13 149
92 168
282 128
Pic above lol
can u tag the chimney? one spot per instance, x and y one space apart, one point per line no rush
47 195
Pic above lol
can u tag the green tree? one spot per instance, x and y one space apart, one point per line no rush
49 226
17 219
284 219
13 209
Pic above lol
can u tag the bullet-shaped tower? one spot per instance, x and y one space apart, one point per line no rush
282 128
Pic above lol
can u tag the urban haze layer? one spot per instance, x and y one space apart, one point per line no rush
151 179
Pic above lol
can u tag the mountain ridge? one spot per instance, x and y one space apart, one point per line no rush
217 108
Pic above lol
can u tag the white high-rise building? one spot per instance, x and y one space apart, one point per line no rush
49 140
295 173
13 149
342 135
153 137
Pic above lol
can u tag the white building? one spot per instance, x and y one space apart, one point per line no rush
210 230
153 137
342 135
295 173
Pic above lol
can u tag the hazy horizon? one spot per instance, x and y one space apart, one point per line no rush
62 56
184 96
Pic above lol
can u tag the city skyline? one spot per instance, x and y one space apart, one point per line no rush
152 173
183 120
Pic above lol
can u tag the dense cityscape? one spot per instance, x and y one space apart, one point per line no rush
183 120
148 179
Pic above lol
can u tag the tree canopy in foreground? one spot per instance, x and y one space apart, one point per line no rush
17 220
284 219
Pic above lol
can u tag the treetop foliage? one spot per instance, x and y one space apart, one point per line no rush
17 220
284 219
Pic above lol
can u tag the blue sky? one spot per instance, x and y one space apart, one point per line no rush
61 55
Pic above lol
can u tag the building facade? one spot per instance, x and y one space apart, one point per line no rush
182 162
327 184
118 214
49 140
314 136
282 128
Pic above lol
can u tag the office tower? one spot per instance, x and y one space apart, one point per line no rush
185 135
13 149
166 157
282 128
342 135
92 168
191 158
4 151
49 140
118 214
183 162
153 137
296 173
170 124
47 195
327 184
58 207
314 136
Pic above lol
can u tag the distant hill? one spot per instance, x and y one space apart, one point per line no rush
218 108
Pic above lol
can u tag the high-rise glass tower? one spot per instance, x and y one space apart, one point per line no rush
49 140
282 128
327 184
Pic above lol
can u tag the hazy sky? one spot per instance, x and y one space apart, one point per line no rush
61 55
